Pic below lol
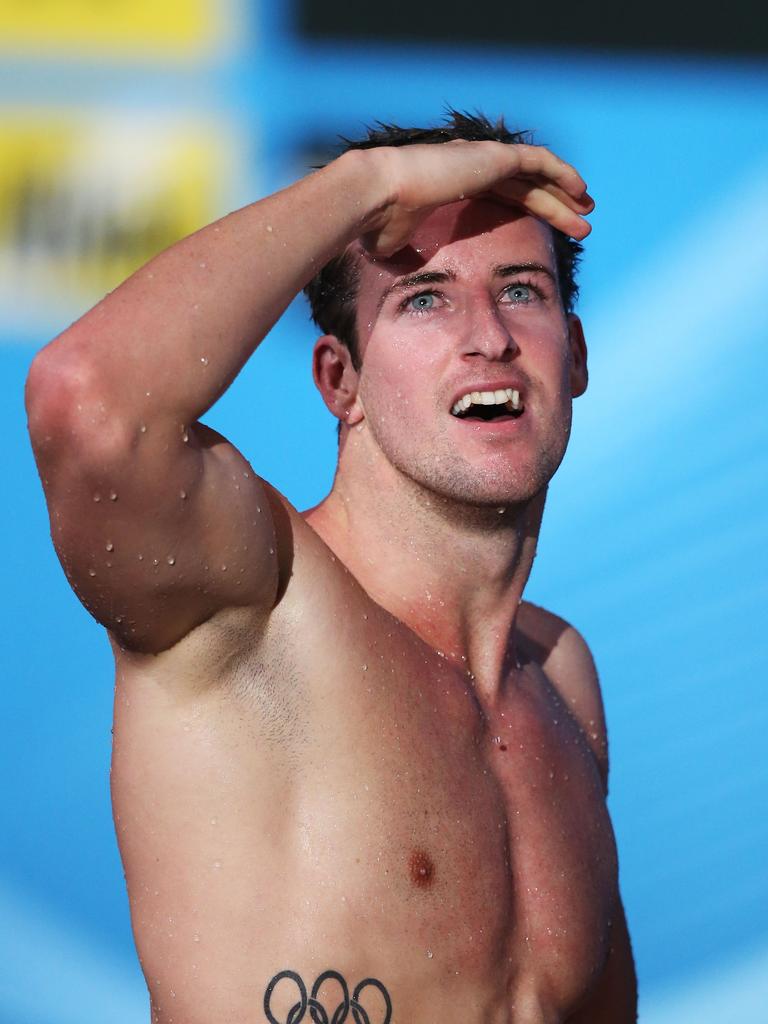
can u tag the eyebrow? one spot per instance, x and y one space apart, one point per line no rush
413 280
510 269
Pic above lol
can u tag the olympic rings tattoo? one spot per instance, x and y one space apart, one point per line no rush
317 1011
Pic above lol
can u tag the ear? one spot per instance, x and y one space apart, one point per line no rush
578 346
336 379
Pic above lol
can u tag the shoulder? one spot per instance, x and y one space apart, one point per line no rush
564 656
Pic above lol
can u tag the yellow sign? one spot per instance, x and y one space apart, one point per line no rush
86 200
133 27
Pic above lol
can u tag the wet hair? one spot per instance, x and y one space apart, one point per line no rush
332 293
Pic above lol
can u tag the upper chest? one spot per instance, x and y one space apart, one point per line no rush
461 812
376 786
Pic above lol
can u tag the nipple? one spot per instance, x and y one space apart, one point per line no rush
422 870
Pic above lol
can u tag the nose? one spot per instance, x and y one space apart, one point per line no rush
489 335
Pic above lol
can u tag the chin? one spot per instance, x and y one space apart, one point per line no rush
496 498
480 489
478 477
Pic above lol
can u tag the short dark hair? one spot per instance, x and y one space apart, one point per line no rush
332 293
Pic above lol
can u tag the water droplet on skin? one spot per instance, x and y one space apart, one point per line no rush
204 360
143 428
185 437
195 938
217 864
155 561
269 228
182 495
223 568
91 572
171 560
140 558
97 497
430 954
365 668
203 266
113 495
497 740
214 820
110 546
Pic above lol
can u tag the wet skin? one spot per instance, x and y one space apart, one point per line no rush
349 803
399 772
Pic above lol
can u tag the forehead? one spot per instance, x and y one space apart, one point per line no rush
470 238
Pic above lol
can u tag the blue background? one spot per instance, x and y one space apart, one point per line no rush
655 540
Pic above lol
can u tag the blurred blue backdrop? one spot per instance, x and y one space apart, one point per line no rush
655 542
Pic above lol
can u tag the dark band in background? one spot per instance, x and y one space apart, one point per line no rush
739 28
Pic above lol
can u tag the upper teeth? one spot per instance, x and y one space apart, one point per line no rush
506 397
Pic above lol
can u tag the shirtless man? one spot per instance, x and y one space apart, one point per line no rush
355 776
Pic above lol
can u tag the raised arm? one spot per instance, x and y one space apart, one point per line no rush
159 522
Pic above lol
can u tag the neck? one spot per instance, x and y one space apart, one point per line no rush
454 573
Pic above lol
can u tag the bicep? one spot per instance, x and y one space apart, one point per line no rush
156 534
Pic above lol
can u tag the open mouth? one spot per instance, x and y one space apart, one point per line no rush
489 406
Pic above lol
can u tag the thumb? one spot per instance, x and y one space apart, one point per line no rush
396 233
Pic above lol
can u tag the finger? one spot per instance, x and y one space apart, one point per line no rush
581 204
547 207
514 188
395 235
535 161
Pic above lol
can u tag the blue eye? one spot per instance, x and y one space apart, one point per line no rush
421 303
519 293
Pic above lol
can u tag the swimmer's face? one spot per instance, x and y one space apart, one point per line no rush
472 305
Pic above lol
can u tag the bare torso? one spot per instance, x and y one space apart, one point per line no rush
337 796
